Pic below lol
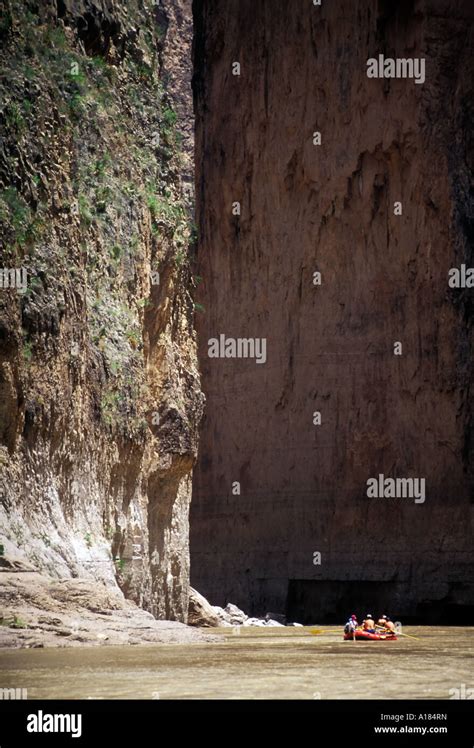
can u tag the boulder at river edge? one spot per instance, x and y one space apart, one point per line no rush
200 612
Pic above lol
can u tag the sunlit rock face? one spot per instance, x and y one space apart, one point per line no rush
100 396
364 180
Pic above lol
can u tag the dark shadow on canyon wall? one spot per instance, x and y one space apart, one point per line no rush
328 601
330 208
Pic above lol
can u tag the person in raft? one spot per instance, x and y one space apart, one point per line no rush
386 623
368 624
351 624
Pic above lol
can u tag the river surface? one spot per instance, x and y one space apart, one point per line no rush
286 663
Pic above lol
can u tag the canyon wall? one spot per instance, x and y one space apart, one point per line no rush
100 395
274 488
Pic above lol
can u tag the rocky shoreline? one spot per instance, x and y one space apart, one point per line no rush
38 611
202 613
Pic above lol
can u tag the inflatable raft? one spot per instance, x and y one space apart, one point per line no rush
367 636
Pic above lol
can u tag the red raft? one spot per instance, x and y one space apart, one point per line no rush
367 636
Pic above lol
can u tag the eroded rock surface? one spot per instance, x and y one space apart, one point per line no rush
100 395
37 611
329 208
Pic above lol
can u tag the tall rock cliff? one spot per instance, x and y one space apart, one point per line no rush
318 154
99 389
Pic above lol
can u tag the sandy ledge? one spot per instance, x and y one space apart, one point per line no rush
36 611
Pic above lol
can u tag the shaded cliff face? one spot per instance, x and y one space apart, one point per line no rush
330 208
99 390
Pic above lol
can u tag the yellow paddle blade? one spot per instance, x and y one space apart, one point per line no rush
325 631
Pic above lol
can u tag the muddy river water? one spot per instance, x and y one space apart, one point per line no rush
286 663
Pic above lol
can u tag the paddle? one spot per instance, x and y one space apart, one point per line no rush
315 632
410 636
397 633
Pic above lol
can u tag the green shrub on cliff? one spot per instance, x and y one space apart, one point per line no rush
99 159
